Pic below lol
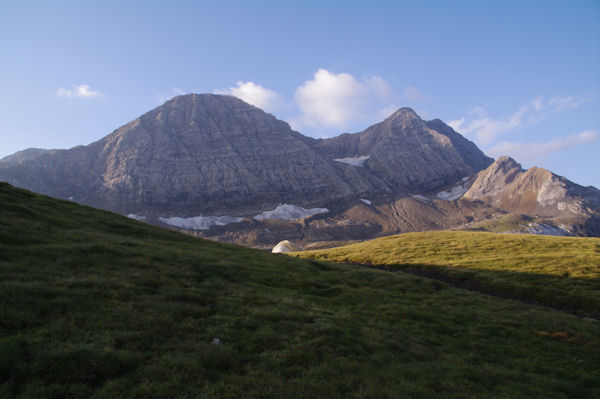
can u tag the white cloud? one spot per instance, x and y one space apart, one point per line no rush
485 130
560 103
531 151
336 100
254 94
78 91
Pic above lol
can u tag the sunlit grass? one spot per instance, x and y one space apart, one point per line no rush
562 271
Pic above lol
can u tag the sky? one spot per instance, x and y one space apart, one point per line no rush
519 78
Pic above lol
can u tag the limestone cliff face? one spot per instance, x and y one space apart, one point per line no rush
214 155
24 155
196 154
409 154
210 154
537 192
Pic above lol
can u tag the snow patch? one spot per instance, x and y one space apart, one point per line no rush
454 193
542 229
354 161
366 201
70 198
136 217
289 212
420 197
464 179
199 222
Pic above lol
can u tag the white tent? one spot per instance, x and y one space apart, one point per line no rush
285 246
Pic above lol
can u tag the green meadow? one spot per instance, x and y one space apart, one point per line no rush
563 272
94 305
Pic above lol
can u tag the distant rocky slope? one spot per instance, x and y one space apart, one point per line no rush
216 155
409 153
538 192
196 154
24 155
218 166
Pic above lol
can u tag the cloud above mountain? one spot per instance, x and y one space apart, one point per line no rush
485 129
336 101
254 94
536 151
77 91
330 100
326 101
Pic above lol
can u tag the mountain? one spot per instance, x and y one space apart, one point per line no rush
24 155
212 155
408 153
221 168
539 192
196 154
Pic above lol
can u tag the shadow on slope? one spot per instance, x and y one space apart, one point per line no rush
95 305
555 271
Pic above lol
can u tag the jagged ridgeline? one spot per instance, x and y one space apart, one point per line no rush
211 153
218 166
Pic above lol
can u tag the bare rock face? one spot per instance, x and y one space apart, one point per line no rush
216 158
359 221
409 154
196 154
538 192
217 155
24 155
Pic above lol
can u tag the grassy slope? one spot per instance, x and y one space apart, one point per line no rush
511 222
559 271
95 305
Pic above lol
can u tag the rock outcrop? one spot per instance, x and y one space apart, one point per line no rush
194 155
24 155
225 169
409 154
537 192
217 155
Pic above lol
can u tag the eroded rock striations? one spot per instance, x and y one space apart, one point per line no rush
538 192
408 153
196 154
217 164
216 155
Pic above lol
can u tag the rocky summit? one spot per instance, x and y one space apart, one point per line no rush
196 154
212 155
225 169
539 192
409 154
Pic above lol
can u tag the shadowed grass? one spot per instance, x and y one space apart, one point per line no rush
95 305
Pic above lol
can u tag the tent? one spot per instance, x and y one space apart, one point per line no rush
285 246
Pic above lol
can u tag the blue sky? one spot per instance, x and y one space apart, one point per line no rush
519 78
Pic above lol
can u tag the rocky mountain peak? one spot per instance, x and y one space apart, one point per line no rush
25 155
404 113
506 167
216 159
197 154
535 191
409 154
506 162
